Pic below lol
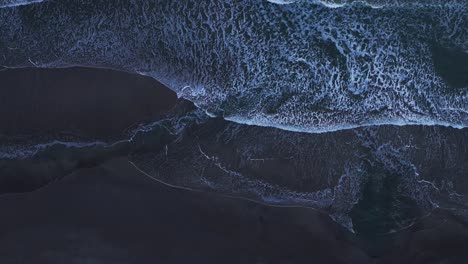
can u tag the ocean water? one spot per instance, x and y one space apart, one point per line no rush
302 66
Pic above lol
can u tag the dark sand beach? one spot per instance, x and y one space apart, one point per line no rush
93 205
113 213
89 102
318 132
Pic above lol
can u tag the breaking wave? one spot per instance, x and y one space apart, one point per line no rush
301 67
374 3
14 3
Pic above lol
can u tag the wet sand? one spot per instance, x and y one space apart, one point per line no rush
84 101
113 213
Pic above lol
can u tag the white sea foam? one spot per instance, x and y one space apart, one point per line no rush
376 3
15 3
301 67
18 151
282 2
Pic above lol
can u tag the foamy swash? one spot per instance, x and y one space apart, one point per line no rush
301 66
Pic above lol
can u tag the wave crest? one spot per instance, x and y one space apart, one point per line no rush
301 67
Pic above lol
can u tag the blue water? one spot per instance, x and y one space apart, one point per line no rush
302 66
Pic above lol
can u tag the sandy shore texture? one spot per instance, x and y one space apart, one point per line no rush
113 213
83 101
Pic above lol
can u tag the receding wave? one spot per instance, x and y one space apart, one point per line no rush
396 169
